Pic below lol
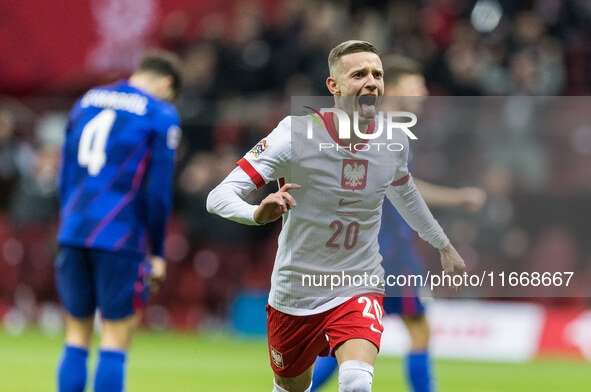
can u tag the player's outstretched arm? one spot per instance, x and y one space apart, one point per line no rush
468 199
411 206
275 205
408 201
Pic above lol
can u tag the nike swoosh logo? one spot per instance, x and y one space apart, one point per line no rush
374 329
343 203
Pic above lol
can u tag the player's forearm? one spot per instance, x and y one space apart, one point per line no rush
61 186
226 200
159 204
409 203
63 177
437 195
157 222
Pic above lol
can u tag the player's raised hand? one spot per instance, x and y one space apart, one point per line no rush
275 205
451 262
471 198
158 273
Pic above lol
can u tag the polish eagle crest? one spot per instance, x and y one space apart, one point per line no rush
354 174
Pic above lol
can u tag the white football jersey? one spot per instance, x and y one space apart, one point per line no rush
328 246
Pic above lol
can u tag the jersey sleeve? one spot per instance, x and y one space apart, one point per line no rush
405 196
226 199
269 159
401 173
159 190
411 206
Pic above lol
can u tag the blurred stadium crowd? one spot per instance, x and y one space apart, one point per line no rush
241 68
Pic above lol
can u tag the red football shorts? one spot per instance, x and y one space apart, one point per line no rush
296 341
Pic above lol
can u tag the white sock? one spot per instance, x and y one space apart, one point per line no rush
277 388
355 376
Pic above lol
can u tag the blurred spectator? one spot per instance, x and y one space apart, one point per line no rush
35 197
8 159
197 102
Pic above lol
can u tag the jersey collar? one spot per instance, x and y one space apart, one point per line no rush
330 127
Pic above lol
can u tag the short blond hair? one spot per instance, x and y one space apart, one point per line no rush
348 47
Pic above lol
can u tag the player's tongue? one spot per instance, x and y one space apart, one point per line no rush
367 105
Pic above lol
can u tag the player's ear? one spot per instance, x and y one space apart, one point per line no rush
168 81
166 86
332 86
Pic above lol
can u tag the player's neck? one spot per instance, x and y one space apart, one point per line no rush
143 83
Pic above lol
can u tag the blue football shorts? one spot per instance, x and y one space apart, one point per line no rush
87 279
404 306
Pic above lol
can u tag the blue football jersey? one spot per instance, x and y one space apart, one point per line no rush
117 166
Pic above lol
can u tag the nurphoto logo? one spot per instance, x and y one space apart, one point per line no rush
384 120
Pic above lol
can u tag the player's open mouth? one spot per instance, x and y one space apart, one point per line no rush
367 104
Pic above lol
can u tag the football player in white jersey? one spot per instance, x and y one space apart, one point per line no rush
327 283
405 89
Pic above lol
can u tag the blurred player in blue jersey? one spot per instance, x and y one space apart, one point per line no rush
403 78
116 196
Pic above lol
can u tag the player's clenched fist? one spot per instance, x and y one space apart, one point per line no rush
275 205
471 198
